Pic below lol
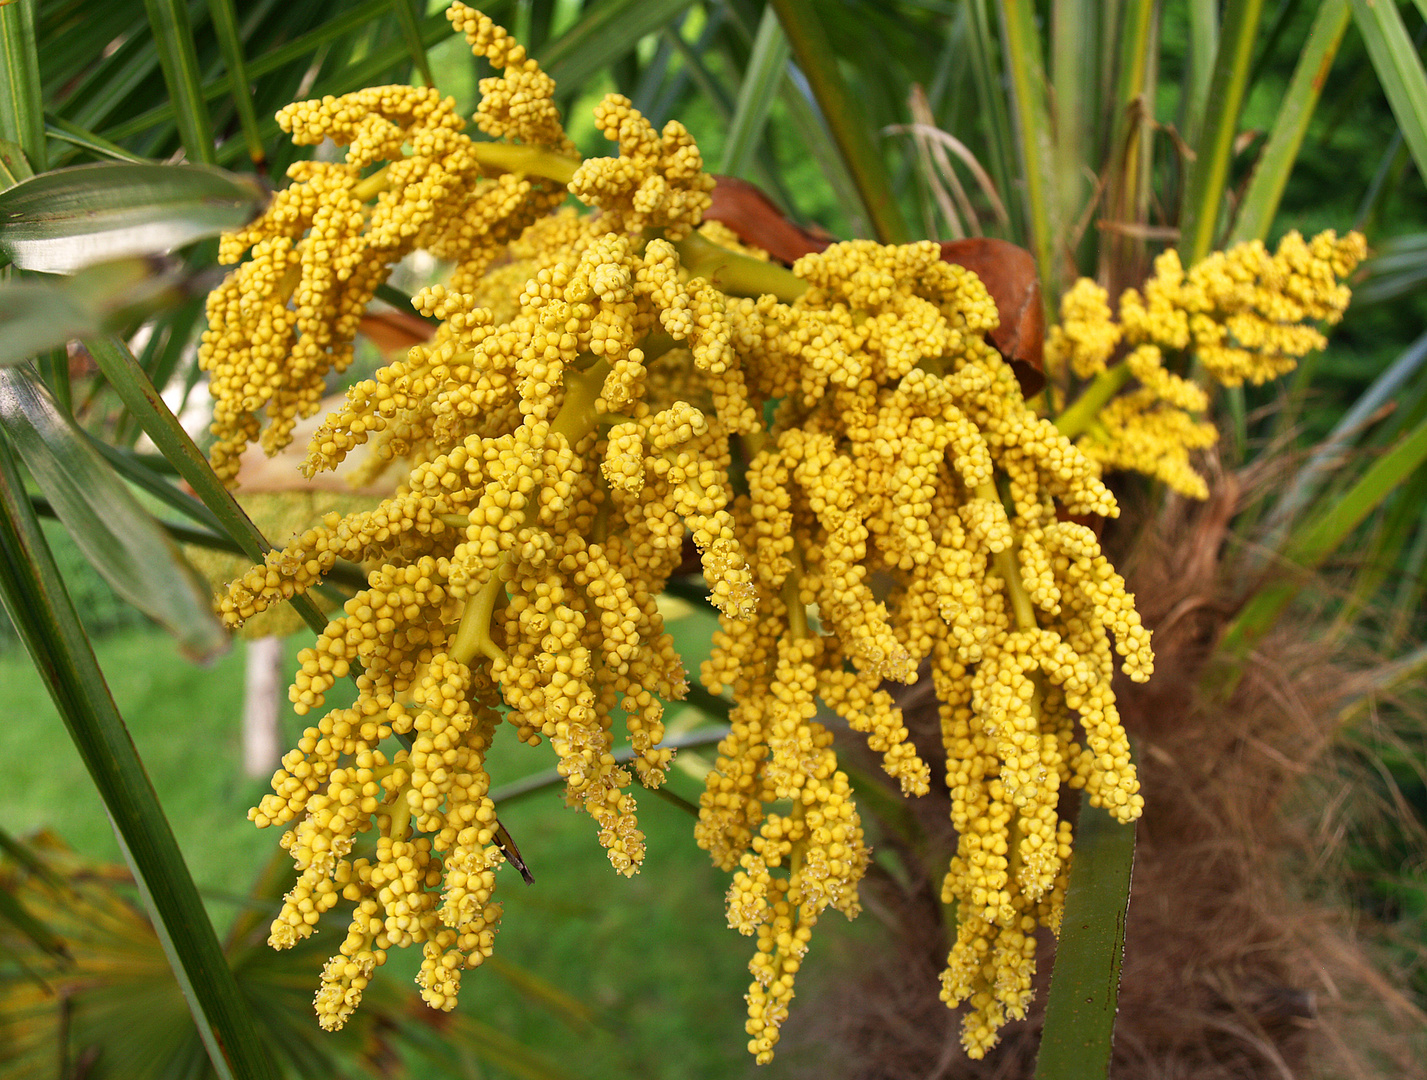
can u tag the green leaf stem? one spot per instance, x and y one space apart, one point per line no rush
1085 983
35 598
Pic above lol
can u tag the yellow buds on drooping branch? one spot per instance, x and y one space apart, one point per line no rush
870 495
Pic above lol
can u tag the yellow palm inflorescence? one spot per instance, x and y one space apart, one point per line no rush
870 494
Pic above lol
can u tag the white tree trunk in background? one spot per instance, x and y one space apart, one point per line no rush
262 698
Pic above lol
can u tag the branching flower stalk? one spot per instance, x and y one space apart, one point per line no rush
569 424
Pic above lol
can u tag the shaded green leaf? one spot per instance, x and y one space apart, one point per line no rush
461 1033
1209 171
225 23
117 535
40 315
66 219
14 167
991 102
1319 536
756 94
152 413
1398 267
1382 681
1270 177
380 61
1085 983
1074 32
133 468
43 315
607 32
59 128
411 33
861 156
275 59
1025 69
569 1009
18 916
1327 455
1203 46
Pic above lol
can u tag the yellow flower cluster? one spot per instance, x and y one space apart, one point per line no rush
1240 314
286 317
588 402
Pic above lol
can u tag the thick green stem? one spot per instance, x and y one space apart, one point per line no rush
797 614
735 274
1005 563
738 275
576 419
372 186
473 635
577 416
530 160
1077 419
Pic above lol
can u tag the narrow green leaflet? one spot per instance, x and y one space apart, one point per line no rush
1398 266
168 20
1027 79
35 316
566 1007
1203 45
33 594
18 916
1318 537
1209 172
1085 984
1323 461
756 94
60 221
1384 680
1399 70
304 45
849 129
13 165
1270 177
57 127
117 535
41 315
225 24
22 119
411 32
461 1033
132 468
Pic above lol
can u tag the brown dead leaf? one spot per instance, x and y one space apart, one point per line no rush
745 209
1009 274
394 332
